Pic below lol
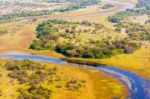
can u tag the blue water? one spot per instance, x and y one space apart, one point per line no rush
18 55
137 86
136 89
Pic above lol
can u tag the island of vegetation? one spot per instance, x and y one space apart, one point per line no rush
66 38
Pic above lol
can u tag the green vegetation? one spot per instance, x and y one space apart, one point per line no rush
24 14
120 16
103 49
35 92
77 4
62 36
134 31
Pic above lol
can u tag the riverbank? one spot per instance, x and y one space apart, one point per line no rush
97 84
130 80
137 62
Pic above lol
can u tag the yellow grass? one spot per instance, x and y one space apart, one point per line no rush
139 19
97 86
138 62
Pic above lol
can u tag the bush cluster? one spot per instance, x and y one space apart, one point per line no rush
103 49
35 78
34 92
74 85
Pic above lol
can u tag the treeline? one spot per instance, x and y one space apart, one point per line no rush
24 14
48 36
104 49
118 17
77 4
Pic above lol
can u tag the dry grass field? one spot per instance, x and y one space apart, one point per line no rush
139 19
97 85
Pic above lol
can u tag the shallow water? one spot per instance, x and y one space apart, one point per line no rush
137 85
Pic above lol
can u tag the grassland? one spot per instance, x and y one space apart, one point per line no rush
137 62
22 33
139 19
97 85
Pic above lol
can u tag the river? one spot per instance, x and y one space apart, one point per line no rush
137 86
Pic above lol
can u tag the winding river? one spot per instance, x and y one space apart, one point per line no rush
137 86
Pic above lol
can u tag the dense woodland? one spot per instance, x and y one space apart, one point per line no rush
62 37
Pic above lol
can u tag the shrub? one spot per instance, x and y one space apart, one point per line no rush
74 85
35 92
0 93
